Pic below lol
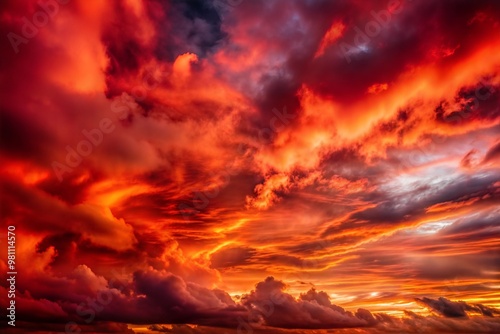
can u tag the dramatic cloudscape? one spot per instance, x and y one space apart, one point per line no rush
251 166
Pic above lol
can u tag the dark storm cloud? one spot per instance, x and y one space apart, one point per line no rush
313 310
326 75
187 302
453 309
445 27
191 26
299 38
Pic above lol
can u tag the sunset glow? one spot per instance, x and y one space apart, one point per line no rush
250 166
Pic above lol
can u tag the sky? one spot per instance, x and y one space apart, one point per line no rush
251 166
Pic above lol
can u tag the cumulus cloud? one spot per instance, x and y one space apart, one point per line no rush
275 308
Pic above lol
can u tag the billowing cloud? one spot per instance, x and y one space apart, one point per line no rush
312 310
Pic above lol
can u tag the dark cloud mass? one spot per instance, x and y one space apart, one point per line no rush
452 309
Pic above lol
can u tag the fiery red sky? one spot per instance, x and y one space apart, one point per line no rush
251 166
